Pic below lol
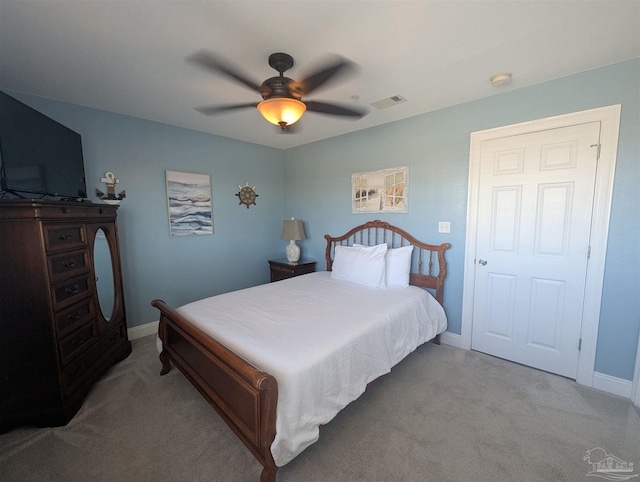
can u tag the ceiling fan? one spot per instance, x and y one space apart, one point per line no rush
282 102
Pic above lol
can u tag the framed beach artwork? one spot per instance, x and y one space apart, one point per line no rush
189 203
384 191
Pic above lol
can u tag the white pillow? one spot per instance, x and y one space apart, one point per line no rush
398 266
360 264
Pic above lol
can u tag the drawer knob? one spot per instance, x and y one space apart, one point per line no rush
74 316
69 264
64 237
73 290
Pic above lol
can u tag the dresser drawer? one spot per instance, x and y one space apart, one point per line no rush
68 292
67 265
76 343
64 237
101 211
75 316
81 367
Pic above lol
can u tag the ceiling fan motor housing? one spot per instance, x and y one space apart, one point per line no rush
280 87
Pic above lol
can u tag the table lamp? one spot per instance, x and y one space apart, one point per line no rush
292 230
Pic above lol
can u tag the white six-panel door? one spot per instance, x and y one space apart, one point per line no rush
534 216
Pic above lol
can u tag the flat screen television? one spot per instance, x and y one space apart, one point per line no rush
39 157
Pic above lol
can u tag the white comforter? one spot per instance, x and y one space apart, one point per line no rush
322 339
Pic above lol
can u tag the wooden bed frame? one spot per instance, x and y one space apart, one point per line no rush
246 397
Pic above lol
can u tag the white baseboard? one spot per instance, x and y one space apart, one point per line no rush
451 339
614 385
143 330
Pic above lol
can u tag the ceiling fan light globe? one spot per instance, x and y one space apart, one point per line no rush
281 110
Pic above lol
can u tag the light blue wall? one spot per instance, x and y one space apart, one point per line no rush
179 269
435 146
312 183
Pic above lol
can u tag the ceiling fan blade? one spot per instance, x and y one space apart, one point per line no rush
217 109
330 71
219 65
334 109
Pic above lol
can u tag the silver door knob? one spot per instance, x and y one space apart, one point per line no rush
482 262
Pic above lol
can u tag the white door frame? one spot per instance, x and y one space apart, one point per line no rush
609 117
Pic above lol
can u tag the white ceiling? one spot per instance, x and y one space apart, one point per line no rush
128 56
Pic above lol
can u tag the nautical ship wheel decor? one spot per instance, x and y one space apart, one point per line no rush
247 195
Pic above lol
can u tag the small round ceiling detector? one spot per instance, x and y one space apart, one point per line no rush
501 79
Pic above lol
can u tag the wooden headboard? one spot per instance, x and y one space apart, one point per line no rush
428 267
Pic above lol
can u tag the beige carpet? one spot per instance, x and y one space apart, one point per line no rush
443 414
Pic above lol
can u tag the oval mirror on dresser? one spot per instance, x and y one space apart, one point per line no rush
103 267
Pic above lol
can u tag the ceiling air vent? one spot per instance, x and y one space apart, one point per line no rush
389 101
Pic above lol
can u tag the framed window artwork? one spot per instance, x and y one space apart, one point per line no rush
384 191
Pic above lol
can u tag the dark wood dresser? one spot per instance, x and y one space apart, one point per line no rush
62 317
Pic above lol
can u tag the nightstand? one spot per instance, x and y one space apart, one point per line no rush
283 269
